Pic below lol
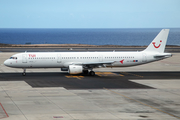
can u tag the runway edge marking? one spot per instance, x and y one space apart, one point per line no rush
142 103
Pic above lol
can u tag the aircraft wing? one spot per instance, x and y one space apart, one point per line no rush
90 64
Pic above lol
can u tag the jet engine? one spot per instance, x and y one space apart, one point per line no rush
75 69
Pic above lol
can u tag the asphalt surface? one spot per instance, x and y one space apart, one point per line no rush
150 91
110 80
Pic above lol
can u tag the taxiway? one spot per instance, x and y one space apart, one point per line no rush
150 91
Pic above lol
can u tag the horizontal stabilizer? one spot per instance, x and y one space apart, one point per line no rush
164 55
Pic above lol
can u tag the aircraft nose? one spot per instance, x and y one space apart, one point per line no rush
6 63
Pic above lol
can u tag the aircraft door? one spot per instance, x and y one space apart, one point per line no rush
100 58
144 58
59 58
24 58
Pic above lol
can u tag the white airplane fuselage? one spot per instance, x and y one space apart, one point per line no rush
64 59
77 62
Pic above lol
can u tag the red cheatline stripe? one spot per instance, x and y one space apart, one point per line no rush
4 110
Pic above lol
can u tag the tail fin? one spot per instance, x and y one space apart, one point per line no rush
159 42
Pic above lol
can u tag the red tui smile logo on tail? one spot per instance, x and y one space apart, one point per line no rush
154 43
121 61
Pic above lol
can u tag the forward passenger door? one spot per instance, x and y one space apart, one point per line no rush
24 58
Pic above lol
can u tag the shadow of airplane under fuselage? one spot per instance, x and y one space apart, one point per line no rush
111 80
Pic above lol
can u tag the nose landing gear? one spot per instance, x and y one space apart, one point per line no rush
24 72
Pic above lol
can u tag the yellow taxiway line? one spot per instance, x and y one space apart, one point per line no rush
72 76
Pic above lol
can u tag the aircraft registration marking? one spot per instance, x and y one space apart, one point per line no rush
72 76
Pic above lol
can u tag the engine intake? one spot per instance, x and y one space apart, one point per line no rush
64 69
75 69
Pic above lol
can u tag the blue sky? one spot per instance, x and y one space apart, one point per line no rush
89 13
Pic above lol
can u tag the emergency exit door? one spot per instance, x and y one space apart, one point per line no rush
59 58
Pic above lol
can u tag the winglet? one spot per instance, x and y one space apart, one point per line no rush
159 42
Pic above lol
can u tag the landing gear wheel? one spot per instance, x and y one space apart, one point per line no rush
24 74
85 72
92 73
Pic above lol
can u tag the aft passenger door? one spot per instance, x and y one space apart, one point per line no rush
144 59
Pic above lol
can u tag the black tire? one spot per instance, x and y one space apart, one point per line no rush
85 72
92 73
24 74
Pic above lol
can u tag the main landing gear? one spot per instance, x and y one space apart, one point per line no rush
91 73
24 72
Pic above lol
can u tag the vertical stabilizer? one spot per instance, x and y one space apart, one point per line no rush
159 42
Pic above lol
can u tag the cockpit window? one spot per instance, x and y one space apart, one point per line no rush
13 58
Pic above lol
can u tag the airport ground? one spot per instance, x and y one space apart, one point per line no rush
145 92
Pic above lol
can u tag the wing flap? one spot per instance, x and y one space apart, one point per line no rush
94 63
98 63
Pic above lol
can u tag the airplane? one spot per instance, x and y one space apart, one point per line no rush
84 62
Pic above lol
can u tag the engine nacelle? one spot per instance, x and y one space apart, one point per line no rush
64 69
75 69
